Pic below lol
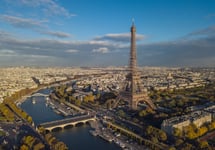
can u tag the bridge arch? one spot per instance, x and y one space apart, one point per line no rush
85 121
69 126
79 124
57 129
39 94
47 131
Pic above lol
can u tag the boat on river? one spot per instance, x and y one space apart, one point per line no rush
94 133
33 101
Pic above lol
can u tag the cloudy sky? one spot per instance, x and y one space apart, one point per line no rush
96 32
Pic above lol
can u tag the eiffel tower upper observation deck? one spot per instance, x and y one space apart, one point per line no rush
134 92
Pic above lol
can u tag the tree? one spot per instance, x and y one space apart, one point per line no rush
77 102
154 140
177 132
135 120
211 126
162 135
203 144
186 146
62 99
202 131
121 113
89 98
24 147
191 134
39 146
142 113
172 148
41 130
29 119
179 142
71 98
149 130
29 140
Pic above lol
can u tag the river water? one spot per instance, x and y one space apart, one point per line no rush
76 138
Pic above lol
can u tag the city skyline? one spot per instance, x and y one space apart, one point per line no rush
86 33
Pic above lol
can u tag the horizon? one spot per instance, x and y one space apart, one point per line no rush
107 67
50 33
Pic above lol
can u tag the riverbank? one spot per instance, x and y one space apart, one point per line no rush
73 137
64 108
24 98
20 116
20 96
113 136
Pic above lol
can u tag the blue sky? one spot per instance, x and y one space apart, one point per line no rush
96 32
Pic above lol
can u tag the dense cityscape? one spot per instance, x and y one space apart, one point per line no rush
160 78
74 77
92 90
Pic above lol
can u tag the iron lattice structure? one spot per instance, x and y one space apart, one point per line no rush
133 91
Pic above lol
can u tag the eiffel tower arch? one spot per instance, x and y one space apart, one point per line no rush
133 91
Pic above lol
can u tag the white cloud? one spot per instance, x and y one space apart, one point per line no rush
195 52
57 34
49 7
72 51
5 51
35 25
204 32
38 56
119 37
102 50
98 42
21 22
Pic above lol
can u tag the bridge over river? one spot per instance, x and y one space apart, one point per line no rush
35 95
40 94
72 121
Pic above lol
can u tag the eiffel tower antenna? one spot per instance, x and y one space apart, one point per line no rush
133 21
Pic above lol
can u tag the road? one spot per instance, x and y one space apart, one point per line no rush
208 136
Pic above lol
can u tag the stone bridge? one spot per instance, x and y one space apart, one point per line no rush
67 122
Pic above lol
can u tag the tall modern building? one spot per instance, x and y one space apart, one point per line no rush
134 92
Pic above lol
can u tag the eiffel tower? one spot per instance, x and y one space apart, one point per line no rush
133 91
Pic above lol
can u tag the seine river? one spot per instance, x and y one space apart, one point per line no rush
76 138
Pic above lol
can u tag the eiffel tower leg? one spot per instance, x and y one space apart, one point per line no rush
134 105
